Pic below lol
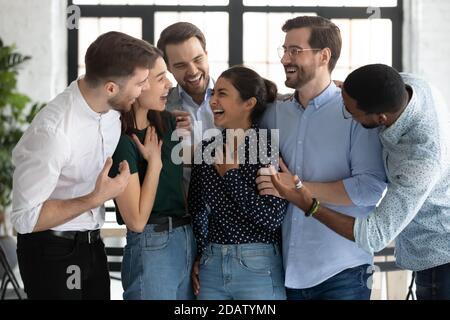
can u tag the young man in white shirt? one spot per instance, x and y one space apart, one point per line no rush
61 178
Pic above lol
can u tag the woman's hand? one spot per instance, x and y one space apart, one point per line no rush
299 196
184 122
151 149
226 160
264 180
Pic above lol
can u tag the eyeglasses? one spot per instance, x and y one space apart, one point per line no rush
345 113
293 51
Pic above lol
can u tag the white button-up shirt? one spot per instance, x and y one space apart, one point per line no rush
59 157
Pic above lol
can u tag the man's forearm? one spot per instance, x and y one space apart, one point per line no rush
303 199
338 222
329 192
57 212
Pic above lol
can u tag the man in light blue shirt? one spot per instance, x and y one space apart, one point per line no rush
184 47
415 134
338 159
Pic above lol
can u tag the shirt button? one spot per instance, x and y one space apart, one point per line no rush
300 141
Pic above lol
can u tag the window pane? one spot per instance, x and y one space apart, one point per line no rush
156 2
215 27
323 3
261 52
364 41
91 28
193 2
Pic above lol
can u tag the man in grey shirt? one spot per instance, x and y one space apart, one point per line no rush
184 47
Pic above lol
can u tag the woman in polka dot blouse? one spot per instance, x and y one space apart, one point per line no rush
237 230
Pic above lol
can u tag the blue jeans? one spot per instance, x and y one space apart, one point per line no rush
252 271
434 283
157 265
350 284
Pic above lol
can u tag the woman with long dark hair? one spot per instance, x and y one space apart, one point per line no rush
159 253
237 230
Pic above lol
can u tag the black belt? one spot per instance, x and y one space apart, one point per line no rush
163 223
90 236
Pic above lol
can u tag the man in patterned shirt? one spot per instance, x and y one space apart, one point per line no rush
415 134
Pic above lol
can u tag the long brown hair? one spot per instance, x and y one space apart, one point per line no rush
128 119
129 125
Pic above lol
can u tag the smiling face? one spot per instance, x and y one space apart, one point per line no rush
230 111
155 97
188 62
130 90
302 67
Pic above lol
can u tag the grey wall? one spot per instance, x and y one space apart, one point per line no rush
426 46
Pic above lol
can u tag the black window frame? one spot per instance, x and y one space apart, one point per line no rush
235 10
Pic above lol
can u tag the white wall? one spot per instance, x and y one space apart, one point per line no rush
38 29
426 43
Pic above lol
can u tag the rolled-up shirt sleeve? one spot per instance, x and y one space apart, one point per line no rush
412 183
367 182
38 159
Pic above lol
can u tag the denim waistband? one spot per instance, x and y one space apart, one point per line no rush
247 249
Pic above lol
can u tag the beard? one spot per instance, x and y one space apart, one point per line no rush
200 90
121 103
304 75
370 125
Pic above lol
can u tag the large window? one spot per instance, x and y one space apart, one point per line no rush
247 31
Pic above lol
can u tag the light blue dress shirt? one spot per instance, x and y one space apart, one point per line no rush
416 208
319 145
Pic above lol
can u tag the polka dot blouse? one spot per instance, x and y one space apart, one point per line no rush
228 209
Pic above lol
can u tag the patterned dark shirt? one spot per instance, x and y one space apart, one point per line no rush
228 209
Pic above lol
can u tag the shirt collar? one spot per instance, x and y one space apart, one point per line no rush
82 102
407 119
321 100
186 97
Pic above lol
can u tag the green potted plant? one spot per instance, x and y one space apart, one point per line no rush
15 114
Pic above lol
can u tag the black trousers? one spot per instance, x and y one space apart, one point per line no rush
52 267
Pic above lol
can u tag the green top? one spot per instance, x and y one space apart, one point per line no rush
169 200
